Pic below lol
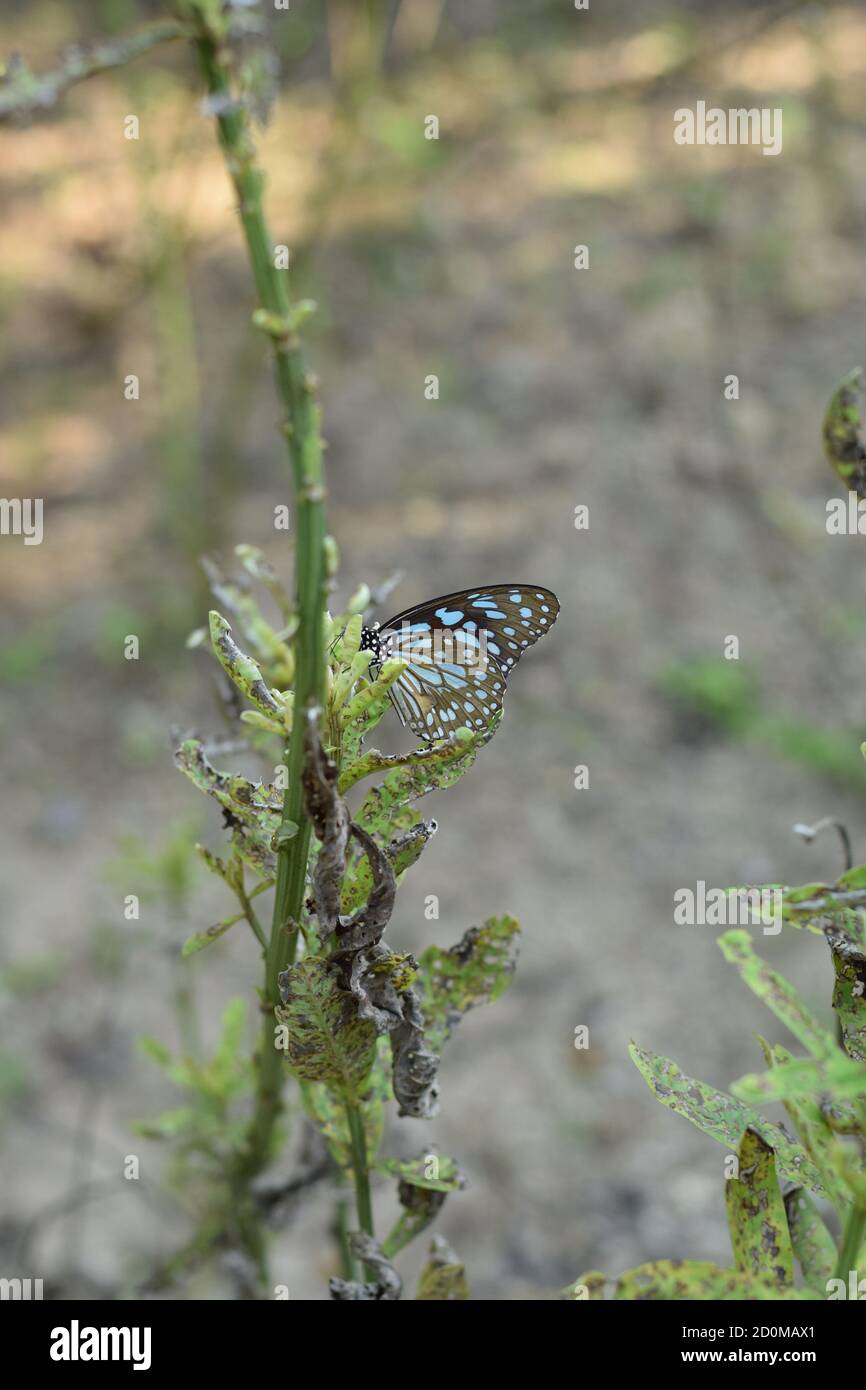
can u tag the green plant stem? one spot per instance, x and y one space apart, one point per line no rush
187 1257
341 1232
25 92
358 1145
243 916
852 1241
250 913
296 390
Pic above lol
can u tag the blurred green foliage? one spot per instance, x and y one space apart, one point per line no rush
722 693
724 697
165 875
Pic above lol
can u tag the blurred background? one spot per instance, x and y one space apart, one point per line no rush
558 388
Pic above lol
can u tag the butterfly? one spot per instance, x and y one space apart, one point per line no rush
461 648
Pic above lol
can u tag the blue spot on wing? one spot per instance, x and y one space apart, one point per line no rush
446 640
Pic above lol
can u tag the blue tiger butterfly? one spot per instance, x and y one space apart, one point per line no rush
461 648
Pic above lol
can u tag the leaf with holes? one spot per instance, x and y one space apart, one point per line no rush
478 970
721 1116
756 1215
324 1038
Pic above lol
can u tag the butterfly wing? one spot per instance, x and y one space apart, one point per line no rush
461 648
445 686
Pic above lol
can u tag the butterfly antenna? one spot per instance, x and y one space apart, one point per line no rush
379 595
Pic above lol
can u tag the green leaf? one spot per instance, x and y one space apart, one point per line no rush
811 904
720 1115
200 939
254 810
348 642
671 1281
265 724
813 1244
777 993
261 569
849 994
403 851
804 892
812 1126
364 711
383 818
226 870
842 432
838 1077
422 1195
478 970
325 1040
756 1215
853 878
420 766
588 1288
240 668
268 647
443 1278
436 1172
417 773
354 672
155 1050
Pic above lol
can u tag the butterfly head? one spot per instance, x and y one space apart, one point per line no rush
373 640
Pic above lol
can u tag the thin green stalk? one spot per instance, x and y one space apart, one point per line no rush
244 915
188 1257
341 1233
25 91
360 1168
296 388
250 913
851 1243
